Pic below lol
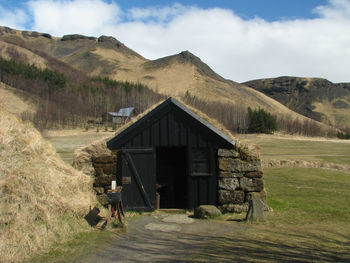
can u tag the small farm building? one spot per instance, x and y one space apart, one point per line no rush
180 156
120 117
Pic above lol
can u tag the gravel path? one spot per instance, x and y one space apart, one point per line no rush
165 238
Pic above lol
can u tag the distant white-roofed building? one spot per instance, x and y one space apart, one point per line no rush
122 116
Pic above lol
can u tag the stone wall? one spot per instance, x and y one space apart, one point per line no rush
239 178
105 172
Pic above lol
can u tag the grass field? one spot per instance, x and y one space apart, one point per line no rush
310 222
66 142
83 244
301 148
306 195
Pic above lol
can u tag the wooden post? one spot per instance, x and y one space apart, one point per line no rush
157 200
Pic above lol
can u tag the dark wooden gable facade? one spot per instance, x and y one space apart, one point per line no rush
173 148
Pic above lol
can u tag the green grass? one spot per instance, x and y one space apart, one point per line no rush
79 247
334 152
310 222
304 195
84 244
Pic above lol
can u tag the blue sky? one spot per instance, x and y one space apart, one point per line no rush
270 10
239 39
267 9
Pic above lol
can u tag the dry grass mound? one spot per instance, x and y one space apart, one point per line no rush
42 198
83 156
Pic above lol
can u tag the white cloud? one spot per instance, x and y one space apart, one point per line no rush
239 49
339 9
13 18
89 17
247 49
157 13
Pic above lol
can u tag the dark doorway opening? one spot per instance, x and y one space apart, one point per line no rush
171 176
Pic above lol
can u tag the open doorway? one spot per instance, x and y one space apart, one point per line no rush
171 176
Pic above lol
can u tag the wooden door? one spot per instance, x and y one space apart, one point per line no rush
138 179
202 180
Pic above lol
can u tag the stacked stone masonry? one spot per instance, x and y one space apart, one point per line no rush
105 170
239 180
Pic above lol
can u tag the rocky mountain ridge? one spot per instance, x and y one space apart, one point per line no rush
316 98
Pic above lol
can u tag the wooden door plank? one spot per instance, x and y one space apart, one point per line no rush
137 177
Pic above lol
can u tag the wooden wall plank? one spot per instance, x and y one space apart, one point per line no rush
193 190
137 140
146 138
202 142
163 131
203 193
183 134
155 134
173 127
192 138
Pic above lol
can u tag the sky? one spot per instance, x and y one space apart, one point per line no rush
239 39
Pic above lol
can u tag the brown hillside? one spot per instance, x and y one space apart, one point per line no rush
174 75
315 98
11 101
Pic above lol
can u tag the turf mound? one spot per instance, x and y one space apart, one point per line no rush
42 198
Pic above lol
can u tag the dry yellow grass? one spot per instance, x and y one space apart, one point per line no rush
83 156
125 62
32 58
13 103
175 79
284 136
335 116
42 198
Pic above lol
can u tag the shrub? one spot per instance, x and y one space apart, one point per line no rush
261 121
343 135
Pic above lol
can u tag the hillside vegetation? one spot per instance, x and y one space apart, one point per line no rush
68 97
42 199
315 98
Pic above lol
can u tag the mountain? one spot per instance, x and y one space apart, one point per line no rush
105 56
315 98
173 75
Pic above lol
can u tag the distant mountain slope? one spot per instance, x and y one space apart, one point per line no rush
316 98
13 102
173 75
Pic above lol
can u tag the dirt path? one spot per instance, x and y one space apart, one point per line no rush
165 238
178 238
